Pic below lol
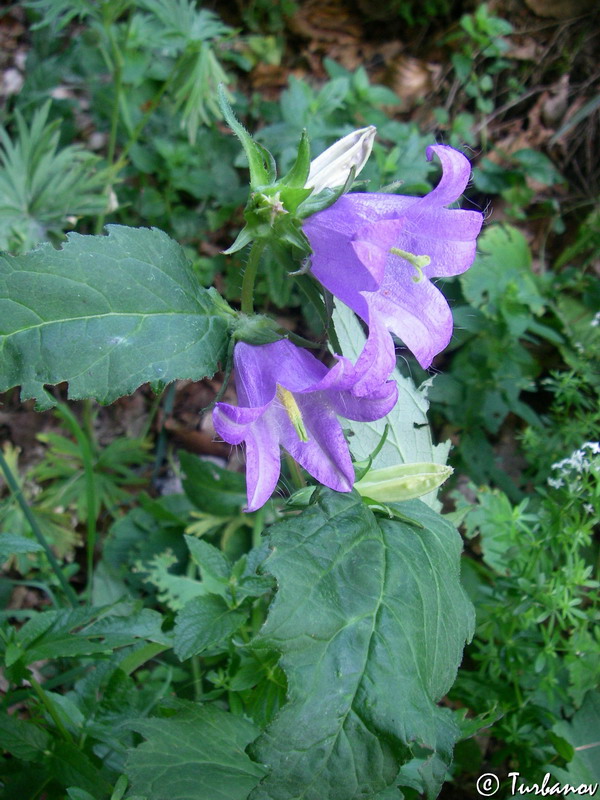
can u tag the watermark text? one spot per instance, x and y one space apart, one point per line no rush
489 784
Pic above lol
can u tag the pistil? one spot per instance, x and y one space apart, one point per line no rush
291 406
418 262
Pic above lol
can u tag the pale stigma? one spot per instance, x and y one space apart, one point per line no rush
291 406
418 262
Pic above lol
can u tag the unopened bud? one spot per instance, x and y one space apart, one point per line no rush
332 168
402 482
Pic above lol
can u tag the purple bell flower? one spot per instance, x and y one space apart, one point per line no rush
288 397
378 252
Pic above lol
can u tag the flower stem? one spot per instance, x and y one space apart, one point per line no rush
295 472
161 445
258 526
37 531
250 276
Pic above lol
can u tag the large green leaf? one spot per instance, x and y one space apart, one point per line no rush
371 620
582 733
205 622
22 739
106 314
196 755
211 488
81 631
501 275
409 437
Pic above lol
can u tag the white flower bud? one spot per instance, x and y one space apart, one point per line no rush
332 167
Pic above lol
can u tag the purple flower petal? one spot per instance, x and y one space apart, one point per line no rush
262 463
456 171
417 313
325 456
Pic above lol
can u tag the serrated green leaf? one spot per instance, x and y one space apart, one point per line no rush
22 739
371 620
203 623
197 755
409 437
106 314
213 563
145 624
60 634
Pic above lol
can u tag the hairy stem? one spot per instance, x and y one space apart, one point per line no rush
161 445
295 472
250 277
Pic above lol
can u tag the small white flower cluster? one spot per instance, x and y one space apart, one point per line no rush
596 320
581 461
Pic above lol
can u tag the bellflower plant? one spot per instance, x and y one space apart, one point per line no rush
378 253
287 397
349 598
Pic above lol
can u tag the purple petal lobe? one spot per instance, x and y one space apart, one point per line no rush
262 463
232 422
455 176
416 312
325 456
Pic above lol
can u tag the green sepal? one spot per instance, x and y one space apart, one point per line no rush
402 481
256 330
288 230
301 498
293 197
222 307
312 292
362 467
243 238
325 198
260 161
268 162
298 174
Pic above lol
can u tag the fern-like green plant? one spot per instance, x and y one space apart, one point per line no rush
191 33
115 470
43 186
